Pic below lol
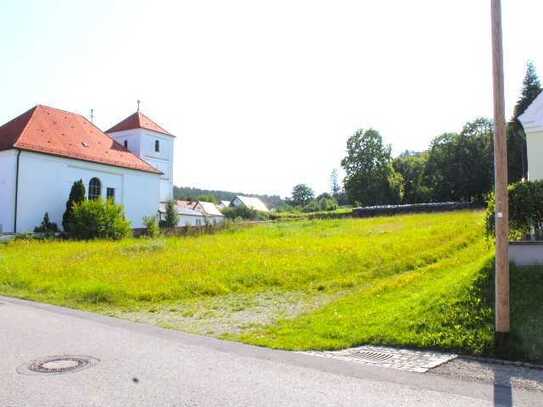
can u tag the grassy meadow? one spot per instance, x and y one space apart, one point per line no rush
415 280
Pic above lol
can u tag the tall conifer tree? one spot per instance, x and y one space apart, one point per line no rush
77 195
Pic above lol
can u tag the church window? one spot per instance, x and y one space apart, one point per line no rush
126 144
95 188
157 146
110 193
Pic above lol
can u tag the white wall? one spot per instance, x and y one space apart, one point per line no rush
132 137
162 160
8 168
45 182
534 142
190 220
141 142
215 219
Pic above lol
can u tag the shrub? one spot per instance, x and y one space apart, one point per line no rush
327 204
77 195
525 211
97 218
312 206
46 227
240 212
171 218
387 210
151 224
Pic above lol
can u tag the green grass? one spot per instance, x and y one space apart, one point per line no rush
415 280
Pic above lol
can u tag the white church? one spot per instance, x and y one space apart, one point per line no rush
532 122
45 150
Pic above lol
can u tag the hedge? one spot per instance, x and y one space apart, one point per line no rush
384 210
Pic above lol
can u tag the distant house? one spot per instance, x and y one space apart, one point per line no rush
195 213
187 216
249 202
211 212
532 121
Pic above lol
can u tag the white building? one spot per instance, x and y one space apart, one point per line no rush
187 216
249 202
151 143
532 122
211 212
45 150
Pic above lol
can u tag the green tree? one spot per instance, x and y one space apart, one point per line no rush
370 178
77 195
516 138
171 218
460 166
302 195
411 166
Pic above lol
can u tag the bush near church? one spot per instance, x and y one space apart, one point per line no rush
152 228
46 228
525 211
77 195
99 219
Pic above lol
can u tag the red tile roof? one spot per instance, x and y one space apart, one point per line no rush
138 121
52 131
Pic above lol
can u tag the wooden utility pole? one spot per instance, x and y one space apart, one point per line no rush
500 171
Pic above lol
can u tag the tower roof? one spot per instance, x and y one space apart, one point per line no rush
47 130
138 121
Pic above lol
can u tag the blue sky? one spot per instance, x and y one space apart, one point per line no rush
263 95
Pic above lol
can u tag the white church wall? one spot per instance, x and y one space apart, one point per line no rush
132 137
8 166
534 141
141 142
161 160
45 182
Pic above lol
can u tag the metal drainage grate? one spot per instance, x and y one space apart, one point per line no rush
58 364
369 356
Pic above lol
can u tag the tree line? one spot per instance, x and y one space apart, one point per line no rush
456 166
198 194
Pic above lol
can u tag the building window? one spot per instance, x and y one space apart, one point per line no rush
126 144
157 146
95 188
110 193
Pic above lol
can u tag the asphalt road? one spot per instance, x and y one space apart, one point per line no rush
142 365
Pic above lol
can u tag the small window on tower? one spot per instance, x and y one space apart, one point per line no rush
126 144
157 146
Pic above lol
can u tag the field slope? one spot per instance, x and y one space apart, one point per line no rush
417 280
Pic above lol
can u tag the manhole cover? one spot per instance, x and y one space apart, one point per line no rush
370 356
57 364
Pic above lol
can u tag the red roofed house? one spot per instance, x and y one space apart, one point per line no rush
45 150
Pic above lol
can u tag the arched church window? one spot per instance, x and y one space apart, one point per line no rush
157 146
95 188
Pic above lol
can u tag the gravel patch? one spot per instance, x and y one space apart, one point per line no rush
468 369
229 314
